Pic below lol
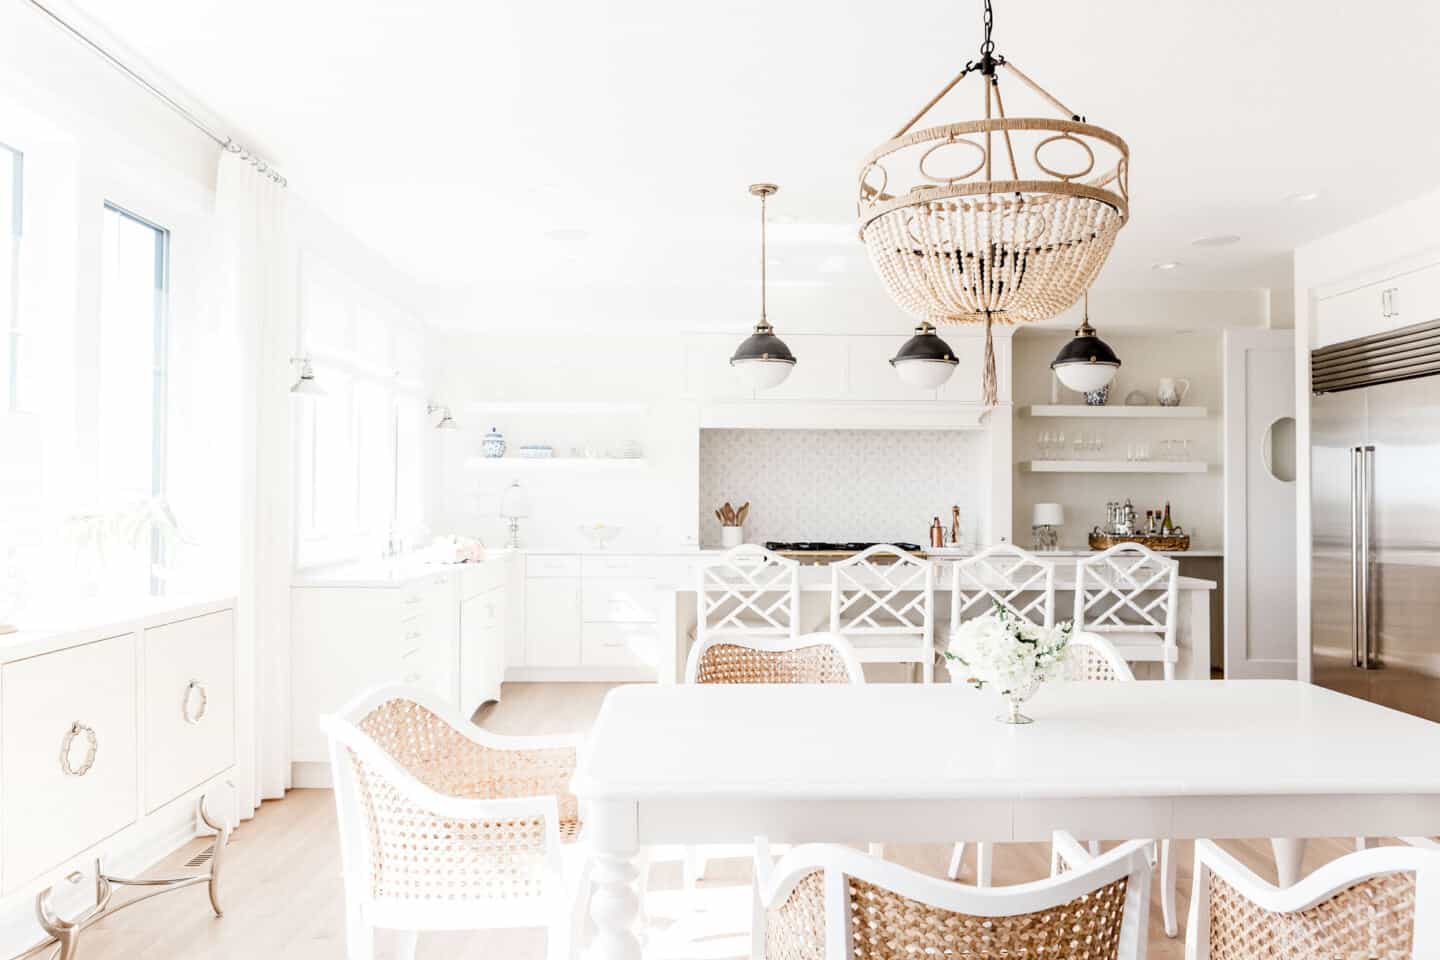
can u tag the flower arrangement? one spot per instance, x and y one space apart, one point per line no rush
1009 653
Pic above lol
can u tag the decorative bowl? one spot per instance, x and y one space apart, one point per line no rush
600 534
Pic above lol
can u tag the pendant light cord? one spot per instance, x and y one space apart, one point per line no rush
763 258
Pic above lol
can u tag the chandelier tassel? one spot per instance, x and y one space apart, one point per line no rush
990 388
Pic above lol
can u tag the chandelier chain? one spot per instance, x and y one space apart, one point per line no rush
988 47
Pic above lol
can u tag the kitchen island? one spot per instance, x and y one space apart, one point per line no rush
676 624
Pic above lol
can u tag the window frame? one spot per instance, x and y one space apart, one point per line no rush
160 373
16 228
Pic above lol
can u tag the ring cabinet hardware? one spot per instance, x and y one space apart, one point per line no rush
198 714
78 729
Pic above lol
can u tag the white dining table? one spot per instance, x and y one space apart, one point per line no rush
930 763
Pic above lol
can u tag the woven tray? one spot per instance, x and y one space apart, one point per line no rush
1104 541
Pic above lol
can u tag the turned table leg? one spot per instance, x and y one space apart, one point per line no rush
1289 852
615 901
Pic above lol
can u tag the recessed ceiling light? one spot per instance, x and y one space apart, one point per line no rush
1217 240
1303 197
1167 265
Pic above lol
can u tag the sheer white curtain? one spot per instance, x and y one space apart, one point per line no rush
257 295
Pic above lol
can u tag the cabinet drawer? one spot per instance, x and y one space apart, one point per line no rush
189 704
566 565
618 601
619 645
617 567
80 697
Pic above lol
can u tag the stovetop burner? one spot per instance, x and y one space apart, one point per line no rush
821 546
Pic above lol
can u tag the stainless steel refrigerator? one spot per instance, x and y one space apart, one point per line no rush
1375 518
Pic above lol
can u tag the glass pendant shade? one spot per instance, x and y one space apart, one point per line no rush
1086 363
924 360
763 359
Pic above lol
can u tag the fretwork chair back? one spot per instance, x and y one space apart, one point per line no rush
827 902
883 602
446 826
747 591
1128 594
1015 579
1373 903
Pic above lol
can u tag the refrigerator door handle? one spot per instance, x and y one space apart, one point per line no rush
1355 587
1367 460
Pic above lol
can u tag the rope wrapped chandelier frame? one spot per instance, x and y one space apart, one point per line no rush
959 235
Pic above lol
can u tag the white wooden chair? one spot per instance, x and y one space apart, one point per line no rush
1093 658
1129 594
825 902
1375 903
883 601
747 591
1006 575
445 826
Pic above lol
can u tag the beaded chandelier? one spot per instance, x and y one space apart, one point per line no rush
959 235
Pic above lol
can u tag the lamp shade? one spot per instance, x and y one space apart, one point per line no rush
924 360
514 502
1086 363
1048 515
763 359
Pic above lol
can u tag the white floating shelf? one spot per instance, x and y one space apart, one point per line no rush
1115 413
556 407
1114 466
555 463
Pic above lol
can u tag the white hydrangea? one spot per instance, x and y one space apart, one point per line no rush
1007 652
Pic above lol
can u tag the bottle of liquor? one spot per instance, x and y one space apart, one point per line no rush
1166 527
1150 522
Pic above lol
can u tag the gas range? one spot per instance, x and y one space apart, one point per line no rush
821 551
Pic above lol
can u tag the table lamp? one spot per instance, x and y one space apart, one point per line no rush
1045 525
514 505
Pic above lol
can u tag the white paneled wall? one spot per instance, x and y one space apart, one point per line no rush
843 484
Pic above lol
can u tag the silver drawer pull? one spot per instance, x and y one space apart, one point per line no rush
195 692
411 601
78 729
413 635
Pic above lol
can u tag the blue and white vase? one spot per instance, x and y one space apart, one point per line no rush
1098 398
494 444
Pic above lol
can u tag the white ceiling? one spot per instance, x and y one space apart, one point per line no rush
609 143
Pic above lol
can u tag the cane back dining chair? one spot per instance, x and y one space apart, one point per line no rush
747 591
827 902
1128 593
727 658
1381 903
882 601
445 826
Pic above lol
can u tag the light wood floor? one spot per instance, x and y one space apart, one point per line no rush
283 892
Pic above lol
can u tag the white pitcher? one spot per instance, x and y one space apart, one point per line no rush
1168 395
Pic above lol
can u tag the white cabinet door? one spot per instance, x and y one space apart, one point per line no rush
618 600
189 704
620 645
821 370
1415 297
482 649
442 639
552 622
60 711
1353 313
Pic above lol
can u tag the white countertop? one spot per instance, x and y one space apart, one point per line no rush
95 619
384 573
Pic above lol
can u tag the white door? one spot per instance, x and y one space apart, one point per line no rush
1260 492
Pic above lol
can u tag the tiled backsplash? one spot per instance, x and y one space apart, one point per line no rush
843 484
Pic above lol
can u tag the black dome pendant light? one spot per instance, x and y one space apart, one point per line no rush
924 360
1086 363
763 357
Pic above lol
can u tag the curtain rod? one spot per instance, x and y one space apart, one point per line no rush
225 143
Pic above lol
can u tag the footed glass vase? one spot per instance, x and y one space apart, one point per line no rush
1013 700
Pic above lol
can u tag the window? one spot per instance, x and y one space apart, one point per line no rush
11 182
134 282
361 446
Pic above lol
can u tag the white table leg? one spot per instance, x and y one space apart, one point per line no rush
615 903
1289 852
